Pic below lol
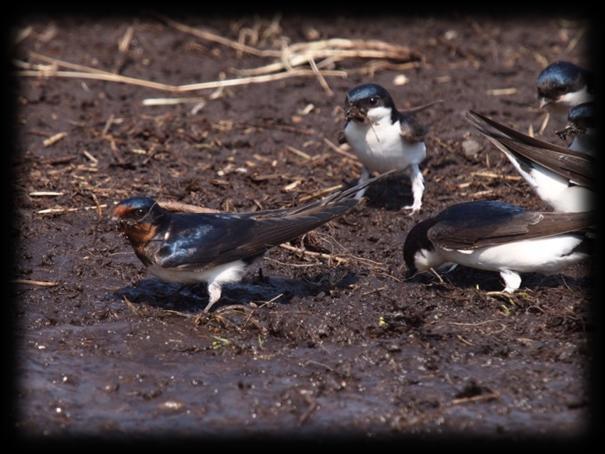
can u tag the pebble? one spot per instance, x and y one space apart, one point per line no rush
470 147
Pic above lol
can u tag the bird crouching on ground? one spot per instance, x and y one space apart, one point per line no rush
496 236
218 248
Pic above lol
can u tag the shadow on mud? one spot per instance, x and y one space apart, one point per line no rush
391 194
489 281
194 298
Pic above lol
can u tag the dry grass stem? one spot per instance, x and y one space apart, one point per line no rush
172 205
110 77
70 210
35 283
496 176
171 101
54 139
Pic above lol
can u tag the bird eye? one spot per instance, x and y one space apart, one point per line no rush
139 212
373 101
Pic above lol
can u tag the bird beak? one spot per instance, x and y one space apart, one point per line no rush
118 213
544 102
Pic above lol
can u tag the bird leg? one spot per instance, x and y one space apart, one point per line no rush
365 176
214 294
511 279
417 189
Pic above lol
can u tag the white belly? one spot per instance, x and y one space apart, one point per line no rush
555 190
537 255
381 148
229 272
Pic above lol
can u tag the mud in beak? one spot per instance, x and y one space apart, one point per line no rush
352 112
568 131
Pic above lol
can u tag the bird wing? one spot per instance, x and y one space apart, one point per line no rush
574 166
411 130
493 223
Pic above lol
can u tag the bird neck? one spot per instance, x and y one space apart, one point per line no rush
139 236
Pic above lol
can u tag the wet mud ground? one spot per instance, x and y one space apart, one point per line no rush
334 344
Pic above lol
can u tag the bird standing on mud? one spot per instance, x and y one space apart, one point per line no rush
496 236
383 138
561 177
217 248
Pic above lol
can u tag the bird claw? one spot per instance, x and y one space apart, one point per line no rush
413 209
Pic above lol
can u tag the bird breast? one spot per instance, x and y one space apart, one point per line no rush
380 147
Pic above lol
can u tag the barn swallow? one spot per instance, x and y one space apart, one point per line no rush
384 138
581 126
562 85
561 177
496 236
217 248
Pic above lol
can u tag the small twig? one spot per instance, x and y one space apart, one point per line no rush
45 194
482 193
335 49
321 78
54 139
90 157
496 176
108 124
501 91
291 186
172 205
172 101
69 210
99 209
479 398
463 340
125 41
36 283
298 152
